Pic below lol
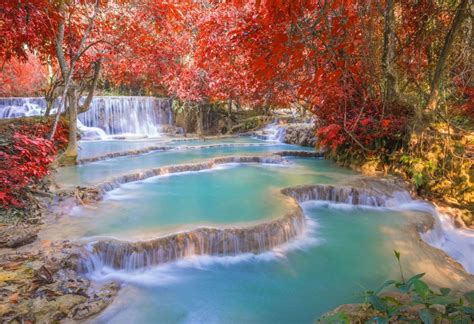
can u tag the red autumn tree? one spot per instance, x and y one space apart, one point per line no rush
23 78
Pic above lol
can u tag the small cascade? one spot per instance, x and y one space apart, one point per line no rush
107 116
339 194
273 132
91 133
201 241
456 242
21 107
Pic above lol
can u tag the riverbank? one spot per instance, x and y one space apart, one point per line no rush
40 282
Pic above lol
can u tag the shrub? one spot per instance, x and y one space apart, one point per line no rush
26 156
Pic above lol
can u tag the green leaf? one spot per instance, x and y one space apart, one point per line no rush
397 254
461 319
416 277
444 291
390 299
405 287
378 303
442 300
470 297
421 288
426 315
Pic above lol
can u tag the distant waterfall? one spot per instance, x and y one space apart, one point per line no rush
128 115
20 107
273 132
106 116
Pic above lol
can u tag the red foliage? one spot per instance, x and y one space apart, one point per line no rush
323 55
19 78
25 158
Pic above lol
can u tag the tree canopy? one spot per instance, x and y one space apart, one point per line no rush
373 73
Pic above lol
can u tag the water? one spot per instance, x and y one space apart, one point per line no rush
106 117
273 132
128 115
89 149
93 173
229 194
349 252
344 250
21 107
458 243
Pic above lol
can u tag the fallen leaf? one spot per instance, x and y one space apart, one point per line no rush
14 298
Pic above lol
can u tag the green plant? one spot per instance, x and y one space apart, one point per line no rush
431 307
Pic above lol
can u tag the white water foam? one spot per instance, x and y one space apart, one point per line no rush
91 133
107 117
166 274
456 242
274 133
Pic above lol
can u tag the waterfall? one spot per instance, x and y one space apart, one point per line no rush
201 241
107 116
273 132
339 194
21 107
128 115
458 243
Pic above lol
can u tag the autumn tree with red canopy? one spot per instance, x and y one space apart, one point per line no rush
372 73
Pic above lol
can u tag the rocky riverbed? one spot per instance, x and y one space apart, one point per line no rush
39 282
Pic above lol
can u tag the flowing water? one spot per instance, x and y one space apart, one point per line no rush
177 242
346 252
106 117
227 194
95 172
344 249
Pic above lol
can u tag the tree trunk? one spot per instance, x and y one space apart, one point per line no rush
70 156
238 107
49 105
199 120
95 79
51 88
390 80
456 24
229 117
67 73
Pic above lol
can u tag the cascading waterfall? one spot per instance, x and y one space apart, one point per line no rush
128 115
273 132
201 241
21 107
339 194
456 242
107 116
259 238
